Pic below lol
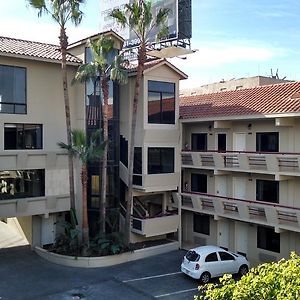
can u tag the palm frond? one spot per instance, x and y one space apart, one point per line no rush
119 16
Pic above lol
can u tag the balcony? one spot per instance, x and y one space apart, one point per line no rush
161 225
278 163
264 213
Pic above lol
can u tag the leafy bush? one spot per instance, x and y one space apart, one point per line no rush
108 244
269 281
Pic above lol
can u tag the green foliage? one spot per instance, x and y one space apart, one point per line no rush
269 281
139 18
108 244
86 150
67 243
60 10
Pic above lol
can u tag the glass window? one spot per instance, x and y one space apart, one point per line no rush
123 150
221 142
23 136
199 142
225 256
202 223
160 160
192 256
199 183
12 90
267 141
161 102
267 190
137 163
211 257
22 184
268 239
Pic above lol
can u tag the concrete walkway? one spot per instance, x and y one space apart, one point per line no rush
10 236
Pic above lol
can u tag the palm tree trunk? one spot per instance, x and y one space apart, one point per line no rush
139 74
63 47
85 222
105 88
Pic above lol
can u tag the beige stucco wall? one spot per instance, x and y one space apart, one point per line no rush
152 135
45 105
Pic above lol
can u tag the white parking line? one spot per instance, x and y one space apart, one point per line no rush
150 277
176 293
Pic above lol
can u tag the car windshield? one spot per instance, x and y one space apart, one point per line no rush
192 256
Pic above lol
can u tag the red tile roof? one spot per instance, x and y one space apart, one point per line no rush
148 64
261 100
33 49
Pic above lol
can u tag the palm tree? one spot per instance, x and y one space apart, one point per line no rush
102 66
86 151
139 18
63 11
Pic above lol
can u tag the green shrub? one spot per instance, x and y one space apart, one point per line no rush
269 281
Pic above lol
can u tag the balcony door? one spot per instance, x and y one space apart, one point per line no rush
239 187
241 237
239 141
223 236
221 185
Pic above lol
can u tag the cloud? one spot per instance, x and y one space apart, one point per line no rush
218 54
41 31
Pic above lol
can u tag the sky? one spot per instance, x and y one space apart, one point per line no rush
233 38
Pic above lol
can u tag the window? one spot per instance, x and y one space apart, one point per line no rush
211 257
199 142
225 256
137 166
267 141
268 239
124 151
160 160
12 90
221 142
267 190
202 223
22 184
161 102
23 136
192 256
199 183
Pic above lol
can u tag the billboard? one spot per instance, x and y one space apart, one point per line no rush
108 23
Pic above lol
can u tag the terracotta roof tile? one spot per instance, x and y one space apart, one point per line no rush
148 64
33 49
269 99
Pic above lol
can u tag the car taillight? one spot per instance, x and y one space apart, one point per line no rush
197 267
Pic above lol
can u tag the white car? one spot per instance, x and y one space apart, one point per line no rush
207 262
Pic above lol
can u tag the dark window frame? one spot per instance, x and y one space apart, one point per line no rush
153 88
198 177
268 239
159 168
263 141
201 223
16 105
23 135
262 191
15 184
195 142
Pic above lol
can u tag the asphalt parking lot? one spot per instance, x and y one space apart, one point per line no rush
26 276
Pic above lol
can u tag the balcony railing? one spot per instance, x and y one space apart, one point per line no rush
155 226
284 163
252 211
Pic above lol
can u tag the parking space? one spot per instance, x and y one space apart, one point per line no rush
25 276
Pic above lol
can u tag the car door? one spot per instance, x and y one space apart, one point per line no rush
213 265
228 263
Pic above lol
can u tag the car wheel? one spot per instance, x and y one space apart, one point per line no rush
205 277
243 270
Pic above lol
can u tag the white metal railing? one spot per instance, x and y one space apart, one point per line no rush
253 211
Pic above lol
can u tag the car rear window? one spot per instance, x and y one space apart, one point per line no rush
192 256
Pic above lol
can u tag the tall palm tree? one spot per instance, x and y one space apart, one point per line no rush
139 18
86 151
63 11
107 68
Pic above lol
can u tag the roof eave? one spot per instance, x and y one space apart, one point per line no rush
29 57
